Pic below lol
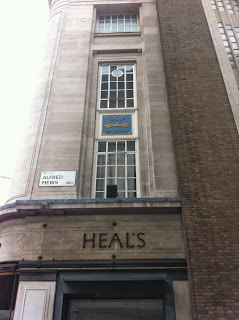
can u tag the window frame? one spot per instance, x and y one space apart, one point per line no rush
125 178
117 25
123 63
98 137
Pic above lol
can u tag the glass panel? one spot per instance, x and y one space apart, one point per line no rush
121 94
131 183
113 85
120 171
117 309
121 28
131 171
100 172
105 69
111 159
132 195
130 103
130 159
101 146
100 184
104 94
129 77
103 104
112 104
121 104
120 146
129 85
105 77
130 145
120 159
111 146
127 28
101 159
120 85
129 68
121 184
121 194
104 86
99 195
110 171
110 182
129 93
101 29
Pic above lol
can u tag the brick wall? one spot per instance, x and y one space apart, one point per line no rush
207 155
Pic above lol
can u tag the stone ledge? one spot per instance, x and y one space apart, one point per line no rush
22 208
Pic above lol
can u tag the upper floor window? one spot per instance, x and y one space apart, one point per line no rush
118 23
117 88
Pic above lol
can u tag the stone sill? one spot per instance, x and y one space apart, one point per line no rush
22 208
118 34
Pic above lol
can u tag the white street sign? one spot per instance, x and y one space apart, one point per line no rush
58 179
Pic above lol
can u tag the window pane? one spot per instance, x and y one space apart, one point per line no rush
121 184
130 103
104 86
120 171
104 94
99 195
120 159
112 104
121 104
101 159
103 104
120 146
111 159
130 93
110 182
130 159
129 85
100 184
100 172
113 85
131 184
132 195
131 171
101 146
129 68
105 69
121 194
111 146
110 171
130 145
105 77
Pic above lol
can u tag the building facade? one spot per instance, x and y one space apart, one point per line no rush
124 202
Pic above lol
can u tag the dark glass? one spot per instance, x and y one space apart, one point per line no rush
103 104
130 103
120 146
118 309
102 146
130 146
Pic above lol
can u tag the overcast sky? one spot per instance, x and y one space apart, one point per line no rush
23 27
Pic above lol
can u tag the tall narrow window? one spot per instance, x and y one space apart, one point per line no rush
116 137
117 86
229 35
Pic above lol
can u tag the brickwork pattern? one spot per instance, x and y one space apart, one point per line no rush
207 155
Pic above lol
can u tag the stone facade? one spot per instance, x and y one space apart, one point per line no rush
177 240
